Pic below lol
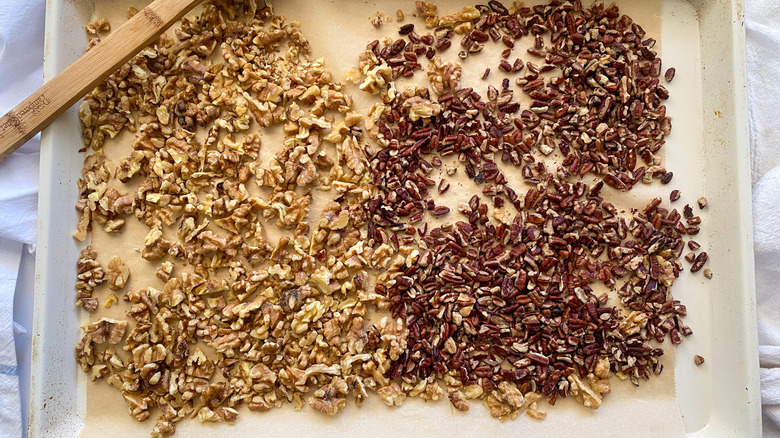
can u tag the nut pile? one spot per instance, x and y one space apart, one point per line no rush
499 305
233 318
504 300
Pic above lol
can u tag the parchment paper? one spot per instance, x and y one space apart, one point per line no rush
338 31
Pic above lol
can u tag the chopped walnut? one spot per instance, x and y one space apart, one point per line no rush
633 323
602 368
443 76
590 398
330 399
155 246
427 11
392 394
90 275
164 271
300 168
354 157
376 20
377 78
599 385
111 299
262 377
536 414
394 333
463 16
106 330
418 108
472 391
507 402
100 25
458 400
117 274
666 274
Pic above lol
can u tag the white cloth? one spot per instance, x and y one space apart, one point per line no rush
762 24
21 73
10 406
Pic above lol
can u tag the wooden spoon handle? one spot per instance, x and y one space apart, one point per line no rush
60 93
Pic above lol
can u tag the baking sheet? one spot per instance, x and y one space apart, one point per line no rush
649 410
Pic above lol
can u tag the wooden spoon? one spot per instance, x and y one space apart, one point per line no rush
60 93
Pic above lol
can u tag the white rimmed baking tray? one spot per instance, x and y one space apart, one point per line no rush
708 151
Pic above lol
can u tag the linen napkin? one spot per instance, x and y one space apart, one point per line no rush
21 72
762 24
10 406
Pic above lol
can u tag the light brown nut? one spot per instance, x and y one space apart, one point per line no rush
117 274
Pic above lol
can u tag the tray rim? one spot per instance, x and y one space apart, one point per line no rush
39 421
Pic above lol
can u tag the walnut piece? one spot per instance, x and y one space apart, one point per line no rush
443 76
100 25
90 275
458 400
330 399
117 274
392 395
633 323
106 329
506 402
602 368
164 271
418 108
589 397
